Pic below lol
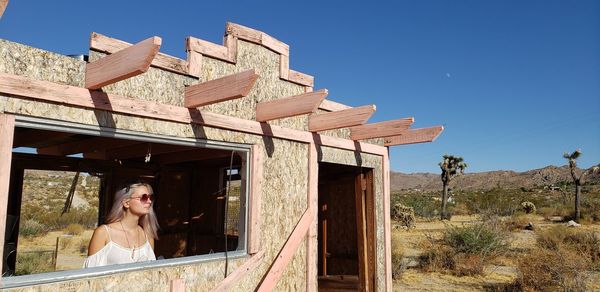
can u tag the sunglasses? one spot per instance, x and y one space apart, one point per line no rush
144 198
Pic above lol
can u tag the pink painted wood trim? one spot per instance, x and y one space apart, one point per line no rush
230 41
126 63
218 90
301 78
340 119
312 244
80 97
381 129
207 48
7 129
250 265
290 106
110 45
413 136
284 67
287 252
332 106
387 231
177 285
254 226
3 5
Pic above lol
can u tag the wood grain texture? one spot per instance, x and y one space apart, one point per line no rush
207 48
7 129
381 129
387 225
105 44
301 78
287 253
80 97
257 37
126 63
243 270
194 64
340 119
221 89
3 4
305 103
361 233
254 221
332 106
312 244
413 136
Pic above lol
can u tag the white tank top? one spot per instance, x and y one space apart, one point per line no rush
113 253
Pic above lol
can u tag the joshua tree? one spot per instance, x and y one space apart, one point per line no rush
577 179
451 166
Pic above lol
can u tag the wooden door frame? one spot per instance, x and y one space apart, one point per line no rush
365 228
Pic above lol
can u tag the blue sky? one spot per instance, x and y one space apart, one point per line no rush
515 83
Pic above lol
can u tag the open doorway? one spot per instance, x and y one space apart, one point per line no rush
346 228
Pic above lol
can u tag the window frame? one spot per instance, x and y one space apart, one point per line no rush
83 273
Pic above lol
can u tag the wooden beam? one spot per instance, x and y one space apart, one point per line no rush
361 232
123 64
413 136
190 155
3 4
218 90
110 45
46 91
381 129
305 103
141 149
312 243
333 106
35 138
249 266
85 145
207 48
287 253
301 78
258 37
254 226
7 129
194 63
177 285
340 119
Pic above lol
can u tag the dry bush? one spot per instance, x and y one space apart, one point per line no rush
468 265
31 227
74 229
517 221
553 237
528 207
553 270
404 215
397 255
547 213
483 239
65 242
437 259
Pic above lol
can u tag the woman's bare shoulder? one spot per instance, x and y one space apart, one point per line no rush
100 232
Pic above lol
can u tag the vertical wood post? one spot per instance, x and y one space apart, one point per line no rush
312 243
7 129
387 227
361 232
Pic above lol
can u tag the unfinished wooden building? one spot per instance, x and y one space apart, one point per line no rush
313 202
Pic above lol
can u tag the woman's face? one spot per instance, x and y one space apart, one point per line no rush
140 202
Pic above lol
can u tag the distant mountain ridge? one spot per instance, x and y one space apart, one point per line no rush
547 176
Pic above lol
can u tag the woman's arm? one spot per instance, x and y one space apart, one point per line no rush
98 241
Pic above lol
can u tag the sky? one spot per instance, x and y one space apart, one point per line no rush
514 83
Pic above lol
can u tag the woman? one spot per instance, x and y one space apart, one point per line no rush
130 231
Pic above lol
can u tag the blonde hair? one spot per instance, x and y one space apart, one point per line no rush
148 221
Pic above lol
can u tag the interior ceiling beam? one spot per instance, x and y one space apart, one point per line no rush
123 64
413 136
35 138
3 4
381 129
85 145
305 103
340 119
221 89
135 151
191 155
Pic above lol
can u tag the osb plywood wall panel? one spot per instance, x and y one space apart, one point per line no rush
285 167
331 155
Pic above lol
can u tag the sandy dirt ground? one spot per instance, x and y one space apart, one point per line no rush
500 272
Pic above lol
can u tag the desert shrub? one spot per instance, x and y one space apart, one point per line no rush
547 212
33 263
528 207
74 229
423 206
553 237
397 255
553 270
586 243
83 246
517 221
404 215
468 265
437 258
65 242
31 227
482 239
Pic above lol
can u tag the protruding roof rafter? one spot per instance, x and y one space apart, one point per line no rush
123 64
413 136
340 119
381 129
3 4
332 106
305 103
221 89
